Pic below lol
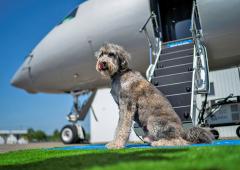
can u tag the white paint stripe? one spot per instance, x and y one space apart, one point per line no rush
174 74
174 83
174 66
181 106
178 94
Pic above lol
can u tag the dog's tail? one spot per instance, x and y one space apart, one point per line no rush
197 135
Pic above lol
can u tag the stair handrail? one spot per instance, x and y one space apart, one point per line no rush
201 62
151 68
157 48
152 17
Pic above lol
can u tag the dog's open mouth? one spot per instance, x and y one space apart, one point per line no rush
102 66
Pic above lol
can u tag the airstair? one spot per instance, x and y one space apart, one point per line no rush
179 69
173 76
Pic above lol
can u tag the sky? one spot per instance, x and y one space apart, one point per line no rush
23 23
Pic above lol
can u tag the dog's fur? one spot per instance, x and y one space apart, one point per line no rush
140 101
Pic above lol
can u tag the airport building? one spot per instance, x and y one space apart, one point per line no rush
13 137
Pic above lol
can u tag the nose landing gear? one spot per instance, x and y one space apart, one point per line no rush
70 134
75 133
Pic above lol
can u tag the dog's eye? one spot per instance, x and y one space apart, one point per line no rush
100 55
111 54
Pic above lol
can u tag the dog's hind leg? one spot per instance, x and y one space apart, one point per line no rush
164 132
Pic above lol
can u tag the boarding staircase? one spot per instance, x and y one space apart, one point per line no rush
179 69
173 76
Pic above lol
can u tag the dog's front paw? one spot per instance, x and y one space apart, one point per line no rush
114 145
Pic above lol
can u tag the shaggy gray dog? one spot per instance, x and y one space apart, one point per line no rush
138 100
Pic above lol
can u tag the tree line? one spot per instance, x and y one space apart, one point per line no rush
40 136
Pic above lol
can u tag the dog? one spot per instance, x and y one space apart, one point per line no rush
138 100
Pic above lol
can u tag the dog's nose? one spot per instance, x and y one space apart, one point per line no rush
104 63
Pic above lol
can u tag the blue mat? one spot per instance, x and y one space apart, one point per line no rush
147 146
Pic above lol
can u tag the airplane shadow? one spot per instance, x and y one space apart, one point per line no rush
90 160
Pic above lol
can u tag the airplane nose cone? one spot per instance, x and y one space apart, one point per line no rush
21 79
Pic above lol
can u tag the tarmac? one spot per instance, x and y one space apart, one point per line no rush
15 147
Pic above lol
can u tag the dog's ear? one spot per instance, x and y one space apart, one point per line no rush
124 63
123 60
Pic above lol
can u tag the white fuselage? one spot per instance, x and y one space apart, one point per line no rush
64 60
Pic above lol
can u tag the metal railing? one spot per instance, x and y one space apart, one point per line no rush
200 64
200 69
151 68
154 48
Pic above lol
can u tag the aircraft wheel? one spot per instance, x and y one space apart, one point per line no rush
82 140
69 134
215 133
238 131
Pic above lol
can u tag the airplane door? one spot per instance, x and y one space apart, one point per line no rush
175 18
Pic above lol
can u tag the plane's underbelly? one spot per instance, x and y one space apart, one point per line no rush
69 48
221 24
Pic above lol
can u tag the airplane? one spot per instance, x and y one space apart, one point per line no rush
64 62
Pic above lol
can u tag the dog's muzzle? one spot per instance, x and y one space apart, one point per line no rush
102 66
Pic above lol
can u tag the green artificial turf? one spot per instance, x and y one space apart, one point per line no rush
192 158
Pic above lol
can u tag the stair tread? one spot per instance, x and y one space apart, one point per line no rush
175 52
184 113
177 48
176 61
175 88
173 78
180 100
173 69
168 75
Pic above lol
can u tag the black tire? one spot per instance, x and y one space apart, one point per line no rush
69 134
215 133
238 131
82 140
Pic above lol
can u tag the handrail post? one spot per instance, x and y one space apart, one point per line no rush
154 49
201 53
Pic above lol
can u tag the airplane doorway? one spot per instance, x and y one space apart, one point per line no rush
174 17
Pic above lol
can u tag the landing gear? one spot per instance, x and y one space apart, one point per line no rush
69 134
238 131
75 133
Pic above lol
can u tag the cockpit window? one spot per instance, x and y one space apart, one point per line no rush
70 16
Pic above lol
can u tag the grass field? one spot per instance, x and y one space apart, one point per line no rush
192 158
